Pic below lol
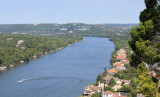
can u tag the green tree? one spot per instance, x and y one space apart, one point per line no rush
145 44
145 39
129 95
99 78
96 95
145 82
108 88
105 69
124 89
112 82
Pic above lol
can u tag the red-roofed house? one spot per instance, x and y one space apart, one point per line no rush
112 71
118 64
125 61
121 57
110 94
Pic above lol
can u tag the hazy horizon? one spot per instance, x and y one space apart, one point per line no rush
71 23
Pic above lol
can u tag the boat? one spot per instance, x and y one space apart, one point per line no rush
20 81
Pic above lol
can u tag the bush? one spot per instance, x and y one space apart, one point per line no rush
124 89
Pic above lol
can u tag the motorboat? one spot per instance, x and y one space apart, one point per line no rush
20 81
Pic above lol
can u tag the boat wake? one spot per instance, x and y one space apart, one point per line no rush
50 78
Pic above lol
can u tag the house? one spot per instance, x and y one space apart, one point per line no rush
121 51
40 54
21 61
116 87
2 68
112 71
9 39
140 95
34 57
118 81
118 64
126 82
111 94
20 42
152 73
121 57
101 85
125 61
90 90
119 68
107 79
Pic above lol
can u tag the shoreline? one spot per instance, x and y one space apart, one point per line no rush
34 57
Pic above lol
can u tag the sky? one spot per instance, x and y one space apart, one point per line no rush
70 11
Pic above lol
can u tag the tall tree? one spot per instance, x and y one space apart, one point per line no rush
145 42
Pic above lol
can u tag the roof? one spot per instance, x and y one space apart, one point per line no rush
107 77
114 94
112 70
125 61
121 57
118 64
95 89
108 92
117 79
117 87
117 95
126 81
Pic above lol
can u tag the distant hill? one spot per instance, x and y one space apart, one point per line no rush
65 29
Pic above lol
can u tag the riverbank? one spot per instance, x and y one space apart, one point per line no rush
41 54
20 49
118 63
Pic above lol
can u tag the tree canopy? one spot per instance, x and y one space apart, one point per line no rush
145 43
145 40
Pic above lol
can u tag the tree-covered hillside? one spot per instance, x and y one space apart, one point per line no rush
21 48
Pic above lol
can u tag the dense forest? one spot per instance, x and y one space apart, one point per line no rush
18 48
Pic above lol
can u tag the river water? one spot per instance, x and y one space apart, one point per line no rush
61 74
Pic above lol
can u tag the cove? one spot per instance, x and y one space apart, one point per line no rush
61 74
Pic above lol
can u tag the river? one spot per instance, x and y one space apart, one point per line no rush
61 74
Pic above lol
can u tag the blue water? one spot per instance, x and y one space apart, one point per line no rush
61 74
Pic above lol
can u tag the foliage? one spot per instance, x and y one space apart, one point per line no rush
124 89
134 94
96 95
129 95
99 78
12 53
126 74
145 82
109 88
133 85
145 42
112 82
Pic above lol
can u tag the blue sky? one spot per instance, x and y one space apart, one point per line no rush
68 11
